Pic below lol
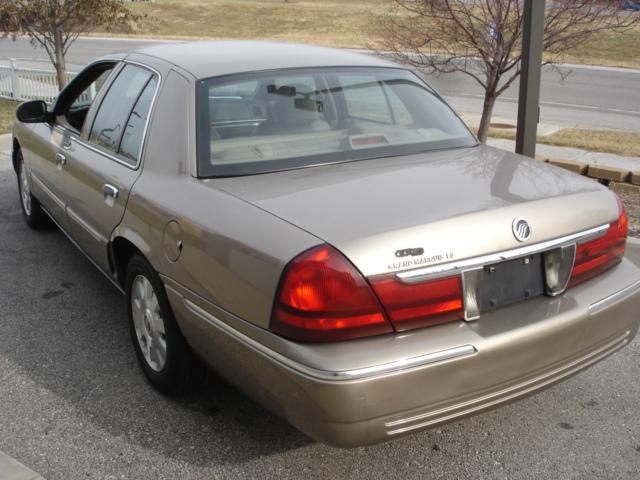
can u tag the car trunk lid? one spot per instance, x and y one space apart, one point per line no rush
401 213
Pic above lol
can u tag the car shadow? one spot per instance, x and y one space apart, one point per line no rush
64 326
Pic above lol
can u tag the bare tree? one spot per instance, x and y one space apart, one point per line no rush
483 38
56 24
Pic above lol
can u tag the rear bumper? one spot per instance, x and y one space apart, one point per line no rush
366 391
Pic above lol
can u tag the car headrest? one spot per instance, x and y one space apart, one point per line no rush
288 111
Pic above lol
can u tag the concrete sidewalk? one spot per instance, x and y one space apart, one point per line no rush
575 154
473 121
5 152
11 469
598 165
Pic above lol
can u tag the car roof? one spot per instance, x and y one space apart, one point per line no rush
215 58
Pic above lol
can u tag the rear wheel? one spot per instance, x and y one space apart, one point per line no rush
162 351
33 214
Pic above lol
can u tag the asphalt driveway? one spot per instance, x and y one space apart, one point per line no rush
73 404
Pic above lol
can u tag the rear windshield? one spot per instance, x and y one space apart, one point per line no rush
277 120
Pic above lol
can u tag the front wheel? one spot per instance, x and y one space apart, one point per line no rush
162 351
31 211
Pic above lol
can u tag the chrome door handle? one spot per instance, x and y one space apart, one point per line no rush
66 144
61 160
110 191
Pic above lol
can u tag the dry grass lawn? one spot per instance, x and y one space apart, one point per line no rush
622 143
337 23
7 115
611 49
609 141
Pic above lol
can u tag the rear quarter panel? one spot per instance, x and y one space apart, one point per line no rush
232 252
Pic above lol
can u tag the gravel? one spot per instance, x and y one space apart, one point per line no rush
631 201
74 405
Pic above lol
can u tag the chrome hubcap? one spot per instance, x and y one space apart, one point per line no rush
25 192
148 323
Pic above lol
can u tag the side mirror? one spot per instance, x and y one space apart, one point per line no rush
33 112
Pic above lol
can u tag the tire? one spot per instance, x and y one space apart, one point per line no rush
31 210
162 351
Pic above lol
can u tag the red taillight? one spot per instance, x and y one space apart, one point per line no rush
596 256
421 304
323 297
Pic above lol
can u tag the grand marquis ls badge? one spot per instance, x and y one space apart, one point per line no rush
521 229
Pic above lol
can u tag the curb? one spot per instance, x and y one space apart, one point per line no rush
633 250
11 469
623 178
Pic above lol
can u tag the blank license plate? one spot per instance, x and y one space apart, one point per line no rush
509 282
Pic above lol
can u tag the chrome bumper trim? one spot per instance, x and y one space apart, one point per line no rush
355 374
614 297
385 368
507 394
454 267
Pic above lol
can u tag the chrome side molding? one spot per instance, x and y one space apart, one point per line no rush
419 361
86 226
61 205
614 297
340 375
512 392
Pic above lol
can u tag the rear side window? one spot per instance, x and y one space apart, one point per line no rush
117 106
132 139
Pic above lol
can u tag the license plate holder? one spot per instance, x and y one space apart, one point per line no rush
501 284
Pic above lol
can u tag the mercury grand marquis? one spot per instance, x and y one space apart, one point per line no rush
323 231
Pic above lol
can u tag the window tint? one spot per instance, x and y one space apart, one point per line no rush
132 138
75 101
401 114
116 106
242 89
365 98
268 121
85 99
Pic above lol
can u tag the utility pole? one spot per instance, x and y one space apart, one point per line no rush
530 78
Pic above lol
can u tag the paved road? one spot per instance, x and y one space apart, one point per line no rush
589 97
74 405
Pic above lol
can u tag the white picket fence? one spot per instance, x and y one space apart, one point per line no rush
19 83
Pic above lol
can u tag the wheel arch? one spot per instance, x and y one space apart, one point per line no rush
124 245
14 154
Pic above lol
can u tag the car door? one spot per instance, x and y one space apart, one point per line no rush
103 163
41 149
49 142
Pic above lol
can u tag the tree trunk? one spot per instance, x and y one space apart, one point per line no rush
59 62
487 111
